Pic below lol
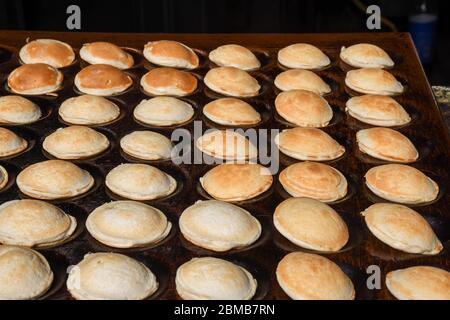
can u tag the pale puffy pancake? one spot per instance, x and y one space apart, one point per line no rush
54 179
140 182
377 110
373 81
227 145
55 53
163 111
214 279
401 228
231 112
34 223
365 55
234 55
75 142
303 108
302 56
111 276
4 178
171 53
102 80
386 144
18 110
33 280
236 182
88 110
169 82
127 224
147 145
401 183
306 276
308 144
231 81
219 226
11 143
35 79
106 53
419 283
311 224
299 79
314 180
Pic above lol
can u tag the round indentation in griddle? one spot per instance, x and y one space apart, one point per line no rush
99 246
265 236
110 135
27 134
171 169
356 237
93 170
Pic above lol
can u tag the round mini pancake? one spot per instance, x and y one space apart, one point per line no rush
35 79
33 280
219 226
234 55
127 224
298 79
401 228
377 110
170 53
147 145
365 55
231 112
88 110
401 183
55 53
314 180
386 144
140 182
306 276
102 80
308 144
303 108
106 53
75 142
231 81
419 283
311 224
34 223
163 111
236 182
4 178
373 81
227 145
110 276
54 179
302 56
11 143
210 278
18 110
169 82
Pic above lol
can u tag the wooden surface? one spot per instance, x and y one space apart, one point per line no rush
426 130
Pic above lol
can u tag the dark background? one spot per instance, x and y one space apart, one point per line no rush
217 16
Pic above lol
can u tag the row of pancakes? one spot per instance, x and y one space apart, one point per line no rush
106 80
298 107
58 179
214 225
82 142
112 276
174 54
